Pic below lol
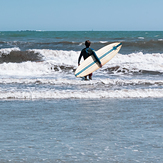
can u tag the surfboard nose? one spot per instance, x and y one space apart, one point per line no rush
115 47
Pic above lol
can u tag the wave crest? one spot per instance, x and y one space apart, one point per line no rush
65 94
17 56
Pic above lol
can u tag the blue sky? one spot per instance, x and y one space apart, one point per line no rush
81 15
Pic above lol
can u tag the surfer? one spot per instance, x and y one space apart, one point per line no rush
86 52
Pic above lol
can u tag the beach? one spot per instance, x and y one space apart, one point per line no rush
49 115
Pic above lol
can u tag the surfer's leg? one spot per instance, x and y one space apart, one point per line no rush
90 76
85 77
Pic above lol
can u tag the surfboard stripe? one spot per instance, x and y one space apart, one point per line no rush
114 48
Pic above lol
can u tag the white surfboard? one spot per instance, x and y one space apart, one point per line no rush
105 54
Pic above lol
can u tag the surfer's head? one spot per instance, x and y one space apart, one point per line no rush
87 43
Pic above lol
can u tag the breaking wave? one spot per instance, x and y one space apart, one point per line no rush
17 56
66 94
46 61
73 82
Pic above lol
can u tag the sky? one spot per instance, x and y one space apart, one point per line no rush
81 15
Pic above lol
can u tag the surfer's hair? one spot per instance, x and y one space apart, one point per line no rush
87 43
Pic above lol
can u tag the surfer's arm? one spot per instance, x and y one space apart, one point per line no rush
79 58
96 58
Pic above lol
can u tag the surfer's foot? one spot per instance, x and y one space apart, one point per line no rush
90 78
85 78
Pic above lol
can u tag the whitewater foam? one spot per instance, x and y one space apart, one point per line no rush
139 61
103 42
141 38
67 94
24 69
66 61
62 81
6 51
58 56
134 61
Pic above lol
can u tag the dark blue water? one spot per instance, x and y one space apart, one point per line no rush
133 41
127 130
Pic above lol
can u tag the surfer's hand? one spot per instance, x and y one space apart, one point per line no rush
79 64
100 65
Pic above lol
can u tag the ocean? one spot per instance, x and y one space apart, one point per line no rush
49 115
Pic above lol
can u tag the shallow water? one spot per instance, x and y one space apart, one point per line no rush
69 130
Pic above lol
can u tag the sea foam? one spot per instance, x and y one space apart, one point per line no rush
6 51
53 60
94 94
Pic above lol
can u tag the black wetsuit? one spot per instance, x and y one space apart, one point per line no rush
86 52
